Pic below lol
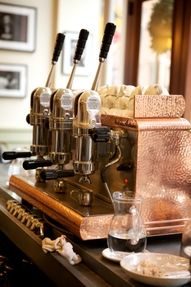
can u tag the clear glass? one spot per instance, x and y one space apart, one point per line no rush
185 250
127 232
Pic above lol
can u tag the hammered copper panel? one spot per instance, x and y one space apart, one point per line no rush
159 106
96 227
162 170
163 174
163 124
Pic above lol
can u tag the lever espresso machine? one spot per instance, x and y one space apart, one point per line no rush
38 118
78 138
61 123
57 125
91 138
78 146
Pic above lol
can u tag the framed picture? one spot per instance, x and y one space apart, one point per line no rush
84 66
17 27
13 80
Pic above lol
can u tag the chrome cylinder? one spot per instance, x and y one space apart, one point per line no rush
60 125
39 117
85 154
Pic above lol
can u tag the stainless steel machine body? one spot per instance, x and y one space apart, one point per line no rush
60 125
39 119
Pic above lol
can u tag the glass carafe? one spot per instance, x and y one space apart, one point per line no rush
185 250
127 232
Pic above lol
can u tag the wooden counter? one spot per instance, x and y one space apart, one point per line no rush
93 271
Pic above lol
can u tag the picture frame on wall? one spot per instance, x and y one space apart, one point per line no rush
84 66
17 27
13 80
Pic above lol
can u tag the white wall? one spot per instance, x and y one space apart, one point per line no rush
75 15
72 15
13 110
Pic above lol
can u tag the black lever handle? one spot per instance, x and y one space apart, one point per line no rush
107 39
58 47
54 174
81 44
10 155
33 164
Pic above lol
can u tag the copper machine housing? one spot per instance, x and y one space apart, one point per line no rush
155 161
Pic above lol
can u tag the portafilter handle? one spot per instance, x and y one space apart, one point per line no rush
55 174
11 155
33 164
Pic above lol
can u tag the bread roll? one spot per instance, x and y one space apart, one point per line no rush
120 100
155 89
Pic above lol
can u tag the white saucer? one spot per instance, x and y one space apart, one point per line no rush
161 269
116 256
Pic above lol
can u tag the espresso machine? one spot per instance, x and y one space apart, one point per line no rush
40 115
72 144
75 126
142 147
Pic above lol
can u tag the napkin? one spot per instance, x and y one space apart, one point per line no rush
63 247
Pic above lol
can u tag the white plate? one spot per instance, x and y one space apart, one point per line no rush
157 269
114 256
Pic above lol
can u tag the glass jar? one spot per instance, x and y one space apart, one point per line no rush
127 232
185 249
